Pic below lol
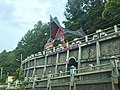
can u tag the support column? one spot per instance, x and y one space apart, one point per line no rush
114 64
72 78
86 38
115 28
79 58
28 69
67 57
34 67
57 57
45 65
115 72
49 81
98 47
98 52
34 79
24 69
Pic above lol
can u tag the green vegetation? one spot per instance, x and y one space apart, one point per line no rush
88 14
92 14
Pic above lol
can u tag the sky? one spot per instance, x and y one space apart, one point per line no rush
19 16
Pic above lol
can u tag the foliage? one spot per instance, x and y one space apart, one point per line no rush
2 80
33 42
111 12
23 85
88 14
84 13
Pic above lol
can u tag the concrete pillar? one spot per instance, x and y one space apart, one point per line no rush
24 69
72 82
67 57
8 86
115 28
86 38
72 72
114 64
34 79
79 58
34 67
115 72
49 81
98 47
57 57
28 69
98 53
112 82
45 65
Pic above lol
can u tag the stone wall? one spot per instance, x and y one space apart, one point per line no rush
60 88
85 81
30 73
39 72
99 86
61 67
50 69
62 57
51 60
74 53
90 54
109 46
40 61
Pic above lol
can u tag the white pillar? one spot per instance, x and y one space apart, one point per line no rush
115 28
79 57
34 67
98 53
45 65
57 57
86 38
67 57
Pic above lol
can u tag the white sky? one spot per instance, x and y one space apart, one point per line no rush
18 16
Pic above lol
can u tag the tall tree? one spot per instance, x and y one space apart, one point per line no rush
111 12
74 14
34 40
84 13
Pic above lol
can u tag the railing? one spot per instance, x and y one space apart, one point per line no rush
85 70
74 44
61 74
77 71
94 68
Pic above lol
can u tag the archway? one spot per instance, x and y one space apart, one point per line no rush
72 62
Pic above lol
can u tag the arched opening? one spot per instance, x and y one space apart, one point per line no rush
72 62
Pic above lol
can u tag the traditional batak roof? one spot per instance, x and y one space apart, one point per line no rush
57 32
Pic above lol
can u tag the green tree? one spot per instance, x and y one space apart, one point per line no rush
34 40
74 14
111 12
84 13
